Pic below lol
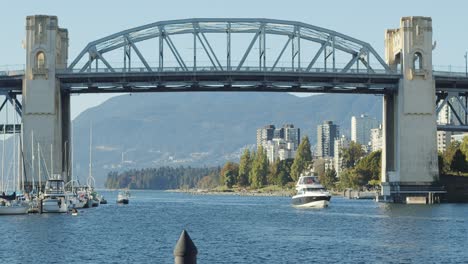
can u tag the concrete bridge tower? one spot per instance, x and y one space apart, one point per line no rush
409 156
46 109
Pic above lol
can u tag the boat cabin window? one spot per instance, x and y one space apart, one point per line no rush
313 189
54 185
308 180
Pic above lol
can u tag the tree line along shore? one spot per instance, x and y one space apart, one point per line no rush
254 175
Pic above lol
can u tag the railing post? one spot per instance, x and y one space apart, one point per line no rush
185 251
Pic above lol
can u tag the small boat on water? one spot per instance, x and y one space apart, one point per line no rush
103 200
74 212
310 193
55 200
123 197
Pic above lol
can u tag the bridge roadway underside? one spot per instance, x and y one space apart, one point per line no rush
235 81
229 81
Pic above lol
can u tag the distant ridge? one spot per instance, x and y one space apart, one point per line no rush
199 129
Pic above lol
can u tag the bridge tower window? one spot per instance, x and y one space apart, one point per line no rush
417 61
40 60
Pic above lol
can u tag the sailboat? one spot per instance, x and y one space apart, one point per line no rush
91 182
12 204
76 194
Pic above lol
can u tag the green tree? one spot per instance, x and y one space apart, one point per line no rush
440 157
259 172
302 159
244 168
449 155
368 168
273 171
352 154
458 163
328 179
319 167
229 173
207 182
348 179
464 147
229 178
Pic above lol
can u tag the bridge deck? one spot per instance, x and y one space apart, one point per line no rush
247 79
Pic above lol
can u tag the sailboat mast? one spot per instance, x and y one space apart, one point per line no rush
14 149
3 150
32 159
39 165
20 159
51 175
90 149
72 150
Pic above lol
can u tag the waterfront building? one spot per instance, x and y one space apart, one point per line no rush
361 127
340 143
292 134
443 140
326 134
446 115
279 143
264 134
376 139
459 137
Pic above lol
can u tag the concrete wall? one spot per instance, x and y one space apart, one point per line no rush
45 108
410 149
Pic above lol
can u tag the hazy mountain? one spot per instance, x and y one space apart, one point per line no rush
198 129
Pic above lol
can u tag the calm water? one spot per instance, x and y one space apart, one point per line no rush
234 229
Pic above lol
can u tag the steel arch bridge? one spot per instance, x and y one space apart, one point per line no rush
204 54
237 54
247 55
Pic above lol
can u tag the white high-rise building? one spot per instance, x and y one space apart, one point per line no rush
360 128
278 148
340 143
326 134
443 140
264 134
376 139
292 134
279 143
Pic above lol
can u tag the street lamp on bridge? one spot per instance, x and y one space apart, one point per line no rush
466 64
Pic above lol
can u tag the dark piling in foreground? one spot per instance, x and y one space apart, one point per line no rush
185 251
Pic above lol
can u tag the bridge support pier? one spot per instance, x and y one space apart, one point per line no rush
46 109
409 155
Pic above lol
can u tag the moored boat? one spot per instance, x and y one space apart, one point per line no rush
103 200
310 193
13 205
54 198
123 197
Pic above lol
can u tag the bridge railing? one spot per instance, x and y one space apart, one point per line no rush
12 73
214 69
450 74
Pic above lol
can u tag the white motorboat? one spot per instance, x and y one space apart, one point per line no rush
55 200
310 193
123 197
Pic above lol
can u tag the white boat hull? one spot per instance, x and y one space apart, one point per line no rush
14 210
54 206
314 204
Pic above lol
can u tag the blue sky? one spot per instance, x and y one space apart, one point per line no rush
365 20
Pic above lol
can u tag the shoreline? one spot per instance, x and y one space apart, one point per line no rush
282 193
